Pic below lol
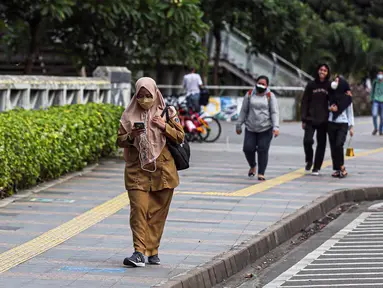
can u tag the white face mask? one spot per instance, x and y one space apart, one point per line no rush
334 85
380 76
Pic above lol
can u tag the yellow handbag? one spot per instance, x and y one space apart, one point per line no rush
350 151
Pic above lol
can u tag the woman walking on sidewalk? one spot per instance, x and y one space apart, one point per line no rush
314 114
150 171
260 114
341 120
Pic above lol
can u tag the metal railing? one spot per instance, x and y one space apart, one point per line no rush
235 50
215 87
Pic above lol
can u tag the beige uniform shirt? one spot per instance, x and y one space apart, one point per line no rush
166 175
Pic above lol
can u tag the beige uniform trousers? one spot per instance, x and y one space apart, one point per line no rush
148 212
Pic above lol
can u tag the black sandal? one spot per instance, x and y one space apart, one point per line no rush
261 178
251 174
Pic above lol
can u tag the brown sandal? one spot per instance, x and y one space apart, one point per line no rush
336 174
261 178
343 173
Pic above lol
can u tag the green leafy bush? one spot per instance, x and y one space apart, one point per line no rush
38 145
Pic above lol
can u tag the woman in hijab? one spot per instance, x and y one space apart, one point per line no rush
341 120
150 171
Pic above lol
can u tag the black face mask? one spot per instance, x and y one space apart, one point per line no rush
260 88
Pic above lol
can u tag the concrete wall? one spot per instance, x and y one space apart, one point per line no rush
109 85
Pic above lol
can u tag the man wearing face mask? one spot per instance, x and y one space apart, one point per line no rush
314 115
377 103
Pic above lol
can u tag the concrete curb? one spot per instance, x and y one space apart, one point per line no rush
29 192
229 263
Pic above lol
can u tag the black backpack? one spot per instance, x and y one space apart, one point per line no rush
204 97
180 152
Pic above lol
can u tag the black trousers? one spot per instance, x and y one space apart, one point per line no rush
337 134
308 142
257 143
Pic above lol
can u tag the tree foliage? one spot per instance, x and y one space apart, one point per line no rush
348 34
107 32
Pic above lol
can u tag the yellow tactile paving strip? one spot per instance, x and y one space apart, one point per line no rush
257 188
60 234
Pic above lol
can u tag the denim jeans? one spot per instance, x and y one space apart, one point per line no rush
257 143
377 109
193 102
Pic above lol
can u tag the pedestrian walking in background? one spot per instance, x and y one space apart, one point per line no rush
314 115
150 171
377 103
341 120
260 114
192 84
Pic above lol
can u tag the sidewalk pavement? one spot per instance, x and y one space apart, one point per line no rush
77 233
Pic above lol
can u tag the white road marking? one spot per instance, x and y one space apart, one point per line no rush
358 246
346 258
338 249
335 279
342 268
337 274
345 264
313 256
359 242
379 284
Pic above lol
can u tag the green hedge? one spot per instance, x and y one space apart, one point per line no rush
38 145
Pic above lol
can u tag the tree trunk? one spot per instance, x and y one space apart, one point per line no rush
209 48
204 63
158 70
83 71
217 55
35 27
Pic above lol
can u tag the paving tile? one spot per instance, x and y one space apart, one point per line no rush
14 282
199 226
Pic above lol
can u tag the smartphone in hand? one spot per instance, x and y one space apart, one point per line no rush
139 125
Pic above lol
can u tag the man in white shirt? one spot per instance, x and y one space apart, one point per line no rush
192 83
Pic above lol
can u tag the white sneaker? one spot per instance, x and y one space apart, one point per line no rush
308 168
315 173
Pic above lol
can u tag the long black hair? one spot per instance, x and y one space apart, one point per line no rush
328 69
